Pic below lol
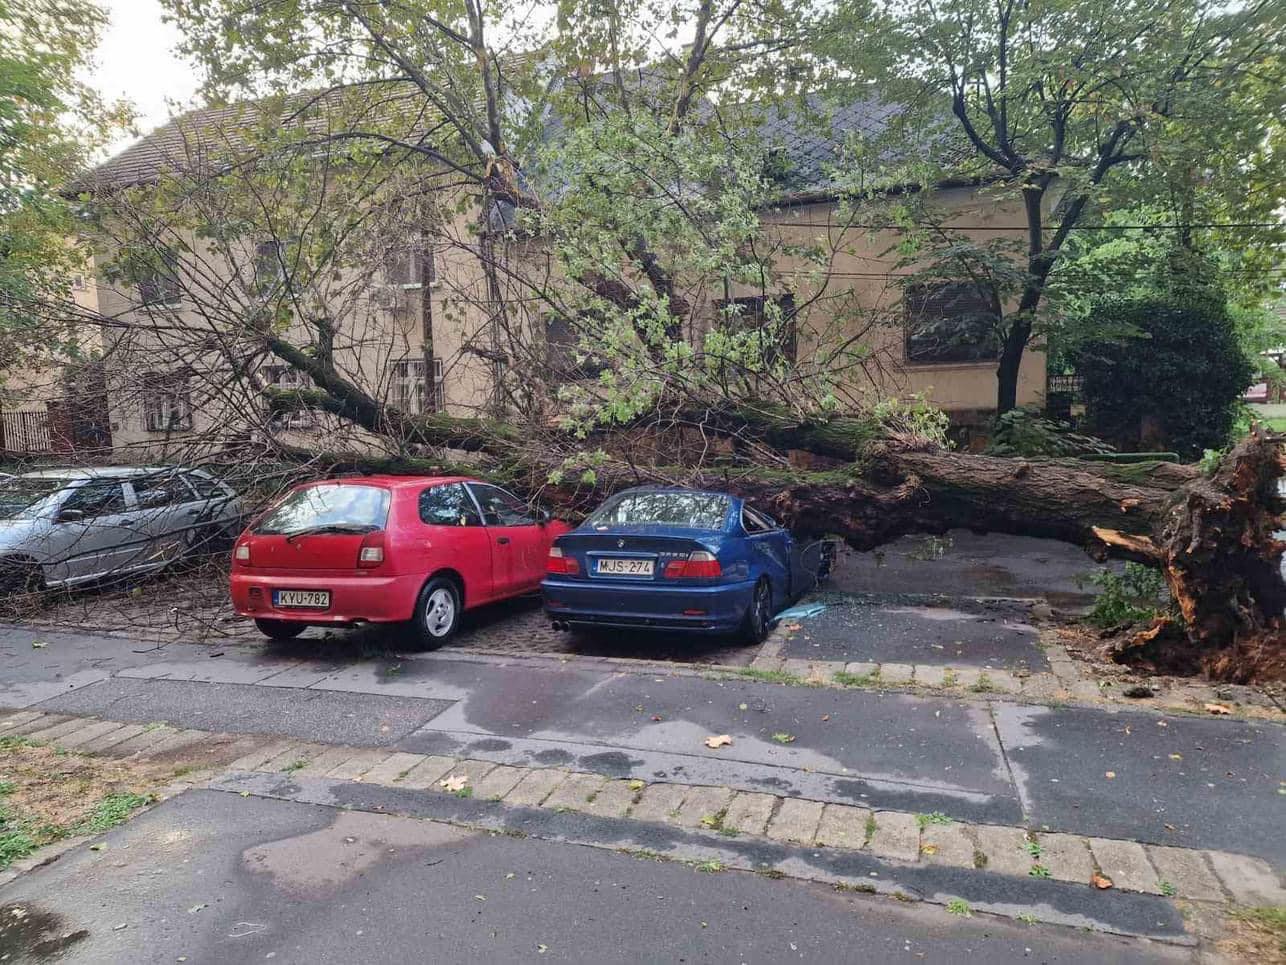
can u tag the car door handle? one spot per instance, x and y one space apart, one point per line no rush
502 540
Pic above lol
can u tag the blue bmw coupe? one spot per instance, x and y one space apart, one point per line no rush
675 559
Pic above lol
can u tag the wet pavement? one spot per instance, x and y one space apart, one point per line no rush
987 760
961 563
1186 781
976 634
214 877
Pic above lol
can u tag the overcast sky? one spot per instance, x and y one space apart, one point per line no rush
136 61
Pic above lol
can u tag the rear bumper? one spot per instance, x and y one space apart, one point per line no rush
353 599
710 609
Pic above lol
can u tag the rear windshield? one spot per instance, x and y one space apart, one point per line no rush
18 495
341 507
685 510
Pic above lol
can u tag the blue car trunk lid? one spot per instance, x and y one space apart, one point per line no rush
590 548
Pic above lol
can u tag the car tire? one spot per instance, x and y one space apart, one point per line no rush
437 614
280 629
758 618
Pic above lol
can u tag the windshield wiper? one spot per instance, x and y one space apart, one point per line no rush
357 529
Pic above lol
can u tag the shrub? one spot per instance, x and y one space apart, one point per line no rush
1127 597
1177 385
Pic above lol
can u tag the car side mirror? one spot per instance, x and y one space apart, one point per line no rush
71 515
543 515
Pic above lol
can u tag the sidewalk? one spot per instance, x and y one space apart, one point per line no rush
1165 780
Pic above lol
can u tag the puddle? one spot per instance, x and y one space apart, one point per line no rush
28 934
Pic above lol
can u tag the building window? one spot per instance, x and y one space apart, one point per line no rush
950 322
410 267
158 283
167 402
286 378
776 328
406 388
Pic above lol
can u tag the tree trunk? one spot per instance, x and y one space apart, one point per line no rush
1011 359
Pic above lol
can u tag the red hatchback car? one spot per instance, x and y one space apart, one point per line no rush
388 549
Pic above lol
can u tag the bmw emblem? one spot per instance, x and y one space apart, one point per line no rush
620 544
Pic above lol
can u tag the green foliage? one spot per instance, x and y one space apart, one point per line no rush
1025 432
914 417
1185 375
50 122
111 811
1128 597
1210 459
1172 127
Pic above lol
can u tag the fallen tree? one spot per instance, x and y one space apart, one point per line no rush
1213 535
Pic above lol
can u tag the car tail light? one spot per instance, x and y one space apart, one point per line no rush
699 565
371 553
241 554
560 564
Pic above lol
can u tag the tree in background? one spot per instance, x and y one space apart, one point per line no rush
1074 109
50 123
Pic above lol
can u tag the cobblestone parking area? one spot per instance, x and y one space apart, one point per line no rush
192 606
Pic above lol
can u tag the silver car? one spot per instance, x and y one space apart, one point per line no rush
60 527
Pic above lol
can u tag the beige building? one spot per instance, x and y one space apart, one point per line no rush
418 331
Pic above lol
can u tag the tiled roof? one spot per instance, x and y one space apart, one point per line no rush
187 143
807 136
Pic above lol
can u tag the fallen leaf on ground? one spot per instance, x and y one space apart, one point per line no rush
541 949
455 782
38 644
826 717
929 849
636 785
784 738
720 740
479 897
1218 709
656 717
1100 881
1176 757
793 626
1110 774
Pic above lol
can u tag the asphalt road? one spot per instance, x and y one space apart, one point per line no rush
213 877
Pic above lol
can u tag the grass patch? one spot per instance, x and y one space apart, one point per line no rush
1256 934
770 676
708 867
47 795
958 906
1039 871
111 811
846 679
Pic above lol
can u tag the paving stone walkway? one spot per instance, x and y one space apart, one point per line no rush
894 836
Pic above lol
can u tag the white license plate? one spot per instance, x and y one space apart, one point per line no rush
625 567
302 599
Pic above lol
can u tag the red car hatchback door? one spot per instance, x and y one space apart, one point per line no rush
320 527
